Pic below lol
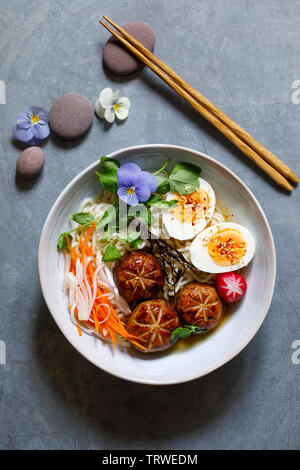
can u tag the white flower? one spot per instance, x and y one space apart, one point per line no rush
109 105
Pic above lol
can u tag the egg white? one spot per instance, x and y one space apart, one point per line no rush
199 251
186 230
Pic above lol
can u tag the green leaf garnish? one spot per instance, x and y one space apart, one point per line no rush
163 185
108 162
188 167
109 215
108 180
136 243
108 176
132 236
184 178
159 203
185 331
111 253
62 244
83 218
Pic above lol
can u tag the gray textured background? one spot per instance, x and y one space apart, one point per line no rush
244 56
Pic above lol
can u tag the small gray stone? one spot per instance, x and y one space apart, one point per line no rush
117 58
30 163
71 116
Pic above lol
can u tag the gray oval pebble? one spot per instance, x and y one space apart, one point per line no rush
71 116
117 58
30 163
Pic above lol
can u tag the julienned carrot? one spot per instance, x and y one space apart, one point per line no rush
112 335
113 323
96 320
77 322
89 233
74 255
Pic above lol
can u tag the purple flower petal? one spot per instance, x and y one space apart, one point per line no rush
40 130
33 133
23 121
128 175
35 142
24 135
43 115
142 192
130 199
149 180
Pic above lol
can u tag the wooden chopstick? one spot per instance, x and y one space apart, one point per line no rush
248 151
239 131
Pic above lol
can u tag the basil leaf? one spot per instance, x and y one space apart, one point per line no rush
136 243
132 236
179 333
62 242
163 188
198 331
188 167
152 199
83 218
111 253
109 215
109 163
102 222
156 201
184 178
108 180
108 176
185 331
163 185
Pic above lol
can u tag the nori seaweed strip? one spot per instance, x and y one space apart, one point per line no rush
167 255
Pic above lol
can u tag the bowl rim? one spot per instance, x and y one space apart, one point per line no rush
156 147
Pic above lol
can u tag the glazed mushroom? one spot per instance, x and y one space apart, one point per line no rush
152 322
139 276
200 305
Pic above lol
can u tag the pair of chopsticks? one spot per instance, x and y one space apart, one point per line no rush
262 157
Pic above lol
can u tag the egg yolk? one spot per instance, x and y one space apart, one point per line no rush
191 208
227 247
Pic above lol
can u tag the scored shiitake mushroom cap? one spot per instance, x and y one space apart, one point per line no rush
152 322
139 276
200 305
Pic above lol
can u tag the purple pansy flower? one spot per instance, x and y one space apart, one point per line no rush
135 185
31 126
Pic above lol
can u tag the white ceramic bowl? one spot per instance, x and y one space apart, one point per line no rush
200 357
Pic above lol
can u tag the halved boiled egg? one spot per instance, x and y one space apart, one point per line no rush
191 214
222 248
